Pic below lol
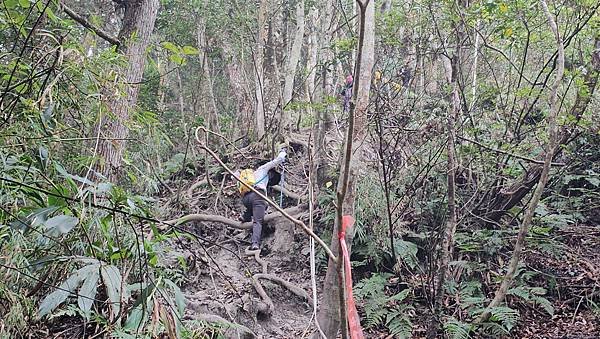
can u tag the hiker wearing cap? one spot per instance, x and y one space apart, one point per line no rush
255 204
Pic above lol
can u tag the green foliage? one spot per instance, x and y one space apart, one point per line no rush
457 329
383 310
533 295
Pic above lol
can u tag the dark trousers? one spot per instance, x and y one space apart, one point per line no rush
255 210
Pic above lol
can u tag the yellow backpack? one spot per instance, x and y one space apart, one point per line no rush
247 177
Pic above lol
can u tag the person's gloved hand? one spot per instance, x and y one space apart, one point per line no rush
282 154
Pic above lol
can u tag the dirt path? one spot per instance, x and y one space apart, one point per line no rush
221 285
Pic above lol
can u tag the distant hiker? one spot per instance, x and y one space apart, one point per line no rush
347 92
255 205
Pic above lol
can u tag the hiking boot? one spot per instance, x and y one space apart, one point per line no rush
254 247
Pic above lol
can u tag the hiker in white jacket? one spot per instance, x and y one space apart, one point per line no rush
255 204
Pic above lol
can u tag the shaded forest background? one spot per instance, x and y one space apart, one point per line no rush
469 156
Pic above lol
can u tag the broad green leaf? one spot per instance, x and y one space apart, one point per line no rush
170 46
87 292
11 4
177 59
24 3
189 50
60 224
135 318
111 277
52 300
179 298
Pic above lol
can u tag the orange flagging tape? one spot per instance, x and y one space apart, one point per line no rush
353 320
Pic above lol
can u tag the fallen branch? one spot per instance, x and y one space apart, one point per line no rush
85 23
211 318
230 222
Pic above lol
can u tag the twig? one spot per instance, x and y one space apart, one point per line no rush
219 193
85 23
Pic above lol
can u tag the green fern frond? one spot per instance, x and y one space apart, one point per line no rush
494 330
533 295
507 316
457 329
399 324
371 287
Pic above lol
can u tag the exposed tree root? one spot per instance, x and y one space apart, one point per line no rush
229 222
258 259
289 193
291 287
211 318
197 184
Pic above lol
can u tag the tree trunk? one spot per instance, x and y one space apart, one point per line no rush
238 90
259 70
323 120
329 315
138 24
206 82
311 62
550 148
292 65
450 229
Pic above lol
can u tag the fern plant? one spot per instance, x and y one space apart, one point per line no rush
383 310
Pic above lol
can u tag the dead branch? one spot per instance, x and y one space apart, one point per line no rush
212 318
232 223
265 297
85 23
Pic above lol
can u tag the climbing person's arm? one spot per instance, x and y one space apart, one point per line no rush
271 164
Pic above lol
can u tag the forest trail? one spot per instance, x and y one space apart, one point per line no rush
219 281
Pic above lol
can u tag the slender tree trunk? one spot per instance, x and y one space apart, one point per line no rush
181 103
138 24
323 120
259 70
238 91
311 61
475 59
292 65
206 82
550 148
330 316
447 249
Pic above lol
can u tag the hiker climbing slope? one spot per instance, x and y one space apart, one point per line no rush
255 204
347 92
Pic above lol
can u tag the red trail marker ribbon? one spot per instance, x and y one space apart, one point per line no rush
353 319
